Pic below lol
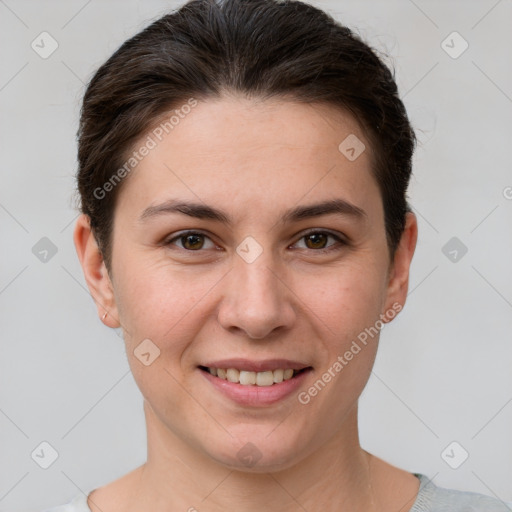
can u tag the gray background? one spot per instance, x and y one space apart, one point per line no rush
443 370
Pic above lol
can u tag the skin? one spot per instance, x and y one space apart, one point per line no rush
254 160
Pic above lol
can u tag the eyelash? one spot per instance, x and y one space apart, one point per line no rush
340 242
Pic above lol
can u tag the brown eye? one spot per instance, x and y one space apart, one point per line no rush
316 240
319 241
191 241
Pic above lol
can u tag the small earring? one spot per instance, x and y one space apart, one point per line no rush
104 316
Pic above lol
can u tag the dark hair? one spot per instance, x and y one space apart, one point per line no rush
257 48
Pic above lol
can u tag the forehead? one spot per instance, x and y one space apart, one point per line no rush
254 149
244 125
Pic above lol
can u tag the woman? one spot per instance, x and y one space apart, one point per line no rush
243 169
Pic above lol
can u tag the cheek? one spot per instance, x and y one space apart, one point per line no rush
159 302
166 307
347 300
348 306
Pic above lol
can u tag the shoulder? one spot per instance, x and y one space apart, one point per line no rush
77 504
432 498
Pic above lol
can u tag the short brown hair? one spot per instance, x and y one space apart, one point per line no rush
258 48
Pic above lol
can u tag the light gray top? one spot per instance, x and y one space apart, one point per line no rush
430 499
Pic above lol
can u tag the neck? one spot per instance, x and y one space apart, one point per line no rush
177 477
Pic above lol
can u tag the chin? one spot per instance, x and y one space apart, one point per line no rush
259 452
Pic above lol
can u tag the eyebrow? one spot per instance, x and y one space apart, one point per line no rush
202 211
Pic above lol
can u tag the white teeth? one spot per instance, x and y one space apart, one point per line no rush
247 378
278 376
233 375
288 374
267 378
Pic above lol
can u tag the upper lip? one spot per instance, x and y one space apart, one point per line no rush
256 366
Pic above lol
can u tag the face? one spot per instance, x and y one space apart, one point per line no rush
246 240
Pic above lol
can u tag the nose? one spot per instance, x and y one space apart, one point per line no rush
257 301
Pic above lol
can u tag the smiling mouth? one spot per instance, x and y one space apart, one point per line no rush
247 378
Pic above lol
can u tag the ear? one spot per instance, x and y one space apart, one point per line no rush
95 272
398 281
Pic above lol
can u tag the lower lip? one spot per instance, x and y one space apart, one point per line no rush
256 395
